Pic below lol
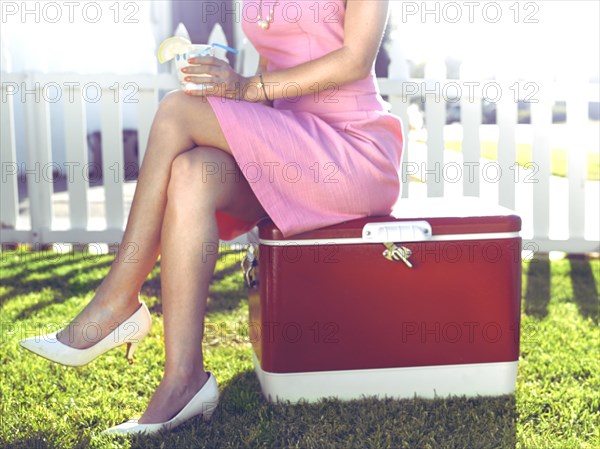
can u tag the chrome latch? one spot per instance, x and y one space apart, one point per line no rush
250 261
397 253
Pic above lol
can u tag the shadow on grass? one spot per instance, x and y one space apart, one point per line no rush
151 288
31 265
244 419
537 296
43 440
227 290
64 285
37 271
585 293
583 282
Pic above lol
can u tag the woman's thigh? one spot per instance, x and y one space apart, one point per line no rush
212 177
191 118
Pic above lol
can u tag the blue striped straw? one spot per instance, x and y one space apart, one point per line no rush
225 47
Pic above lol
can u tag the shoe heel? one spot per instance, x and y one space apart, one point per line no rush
131 347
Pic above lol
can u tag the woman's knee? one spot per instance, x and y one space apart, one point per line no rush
176 106
210 177
200 171
187 121
172 101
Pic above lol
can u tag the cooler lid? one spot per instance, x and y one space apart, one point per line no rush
445 216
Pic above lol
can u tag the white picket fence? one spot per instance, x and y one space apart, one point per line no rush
434 171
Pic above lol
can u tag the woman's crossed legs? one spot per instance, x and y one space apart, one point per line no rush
173 214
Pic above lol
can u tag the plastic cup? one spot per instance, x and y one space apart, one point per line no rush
181 61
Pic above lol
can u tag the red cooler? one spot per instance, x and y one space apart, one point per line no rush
425 302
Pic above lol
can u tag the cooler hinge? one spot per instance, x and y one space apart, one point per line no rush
249 262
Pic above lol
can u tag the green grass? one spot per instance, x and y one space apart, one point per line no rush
45 405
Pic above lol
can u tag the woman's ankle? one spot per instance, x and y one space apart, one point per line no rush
117 302
192 376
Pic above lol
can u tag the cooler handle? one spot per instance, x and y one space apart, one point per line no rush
397 231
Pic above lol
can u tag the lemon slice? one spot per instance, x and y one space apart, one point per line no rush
171 47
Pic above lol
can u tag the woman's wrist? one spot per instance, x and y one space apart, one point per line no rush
263 88
255 90
250 91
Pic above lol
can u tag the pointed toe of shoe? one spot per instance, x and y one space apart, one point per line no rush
48 347
28 343
38 343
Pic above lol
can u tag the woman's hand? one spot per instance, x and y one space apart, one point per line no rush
219 78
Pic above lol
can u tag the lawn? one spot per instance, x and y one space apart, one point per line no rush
45 405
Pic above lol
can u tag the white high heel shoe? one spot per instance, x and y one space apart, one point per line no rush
130 332
203 403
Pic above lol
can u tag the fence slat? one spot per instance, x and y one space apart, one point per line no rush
470 116
541 119
507 148
9 209
435 119
249 58
113 167
39 157
76 153
217 36
147 107
577 118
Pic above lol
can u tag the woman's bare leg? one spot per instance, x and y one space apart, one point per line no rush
189 228
181 123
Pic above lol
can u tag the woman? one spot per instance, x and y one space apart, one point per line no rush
221 159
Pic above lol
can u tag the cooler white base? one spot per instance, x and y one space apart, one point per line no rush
477 379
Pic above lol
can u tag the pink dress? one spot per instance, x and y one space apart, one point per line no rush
313 159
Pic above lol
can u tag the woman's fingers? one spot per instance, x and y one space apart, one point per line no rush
208 60
208 65
214 75
197 92
204 86
202 79
199 69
